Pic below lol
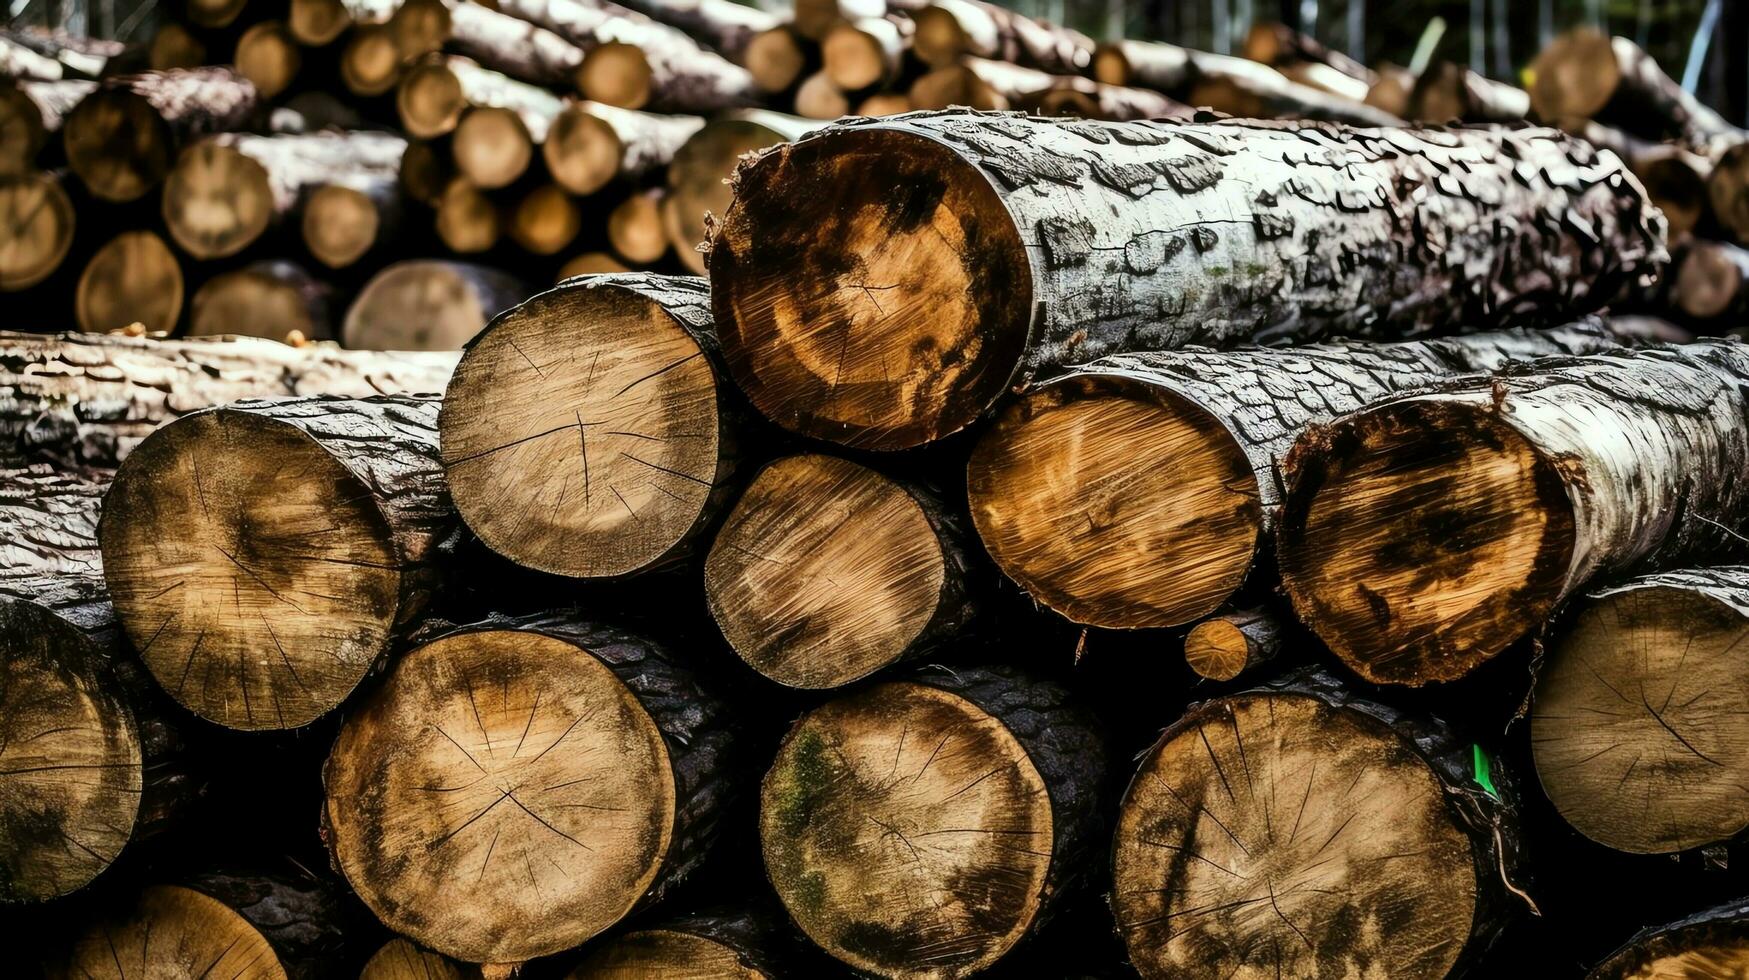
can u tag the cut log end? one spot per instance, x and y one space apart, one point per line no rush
467 220
938 40
429 100
607 456
402 960
1633 726
1575 76
1110 66
818 98
257 575
698 181
317 22
939 294
824 573
270 300
1356 860
1728 191
636 230
371 63
1116 504
582 151
854 58
1217 649
955 85
546 220
1708 281
492 147
133 278
863 787
71 755
616 73
775 60
174 46
1677 187
269 57
172 931
500 756
419 27
885 104
213 13
340 224
117 144
665 953
1422 538
217 201
420 305
591 264
36 229
22 135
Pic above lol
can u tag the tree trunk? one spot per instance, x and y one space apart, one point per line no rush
122 139
827 571
948 30
1236 86
36 228
775 59
818 98
723 26
1327 79
591 144
400 959
226 192
30 113
428 304
1670 639
545 220
634 62
1714 942
269 57
846 316
635 230
523 48
981 84
1676 180
469 223
736 943
699 173
274 299
1274 43
1449 92
1000 788
815 18
1414 567
871 51
328 514
133 278
1711 284
1402 863
354 215
626 808
1585 74
1139 490
88 399
607 474
227 925
434 95
1224 646
71 698
81 57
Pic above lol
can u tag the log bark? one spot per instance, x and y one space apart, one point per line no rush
273 299
815 18
1648 670
1584 74
981 84
623 810
618 454
1140 490
269 57
88 400
546 220
1274 43
1224 646
132 278
81 57
17 60
434 95
723 26
1711 284
634 62
1588 466
1236 86
1404 860
30 113
227 191
231 924
591 144
1676 180
428 304
738 943
1448 92
328 514
37 222
1327 79
91 762
400 959
523 48
827 571
698 174
1000 785
1714 941
1080 239
122 139
948 30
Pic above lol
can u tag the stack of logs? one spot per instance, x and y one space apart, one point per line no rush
975 574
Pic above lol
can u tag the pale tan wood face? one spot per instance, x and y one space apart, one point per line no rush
1114 507
370 64
1274 836
616 73
402 960
1217 650
667 954
21 136
697 181
173 933
268 56
118 145
635 228
429 100
546 220
912 340
254 573
503 796
1636 727
1574 76
70 773
907 832
415 306
36 228
581 434
216 201
1430 544
825 572
340 225
492 146
468 222
249 304
133 278
582 152
1724 960
591 263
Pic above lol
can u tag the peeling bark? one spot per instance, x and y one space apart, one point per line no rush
978 83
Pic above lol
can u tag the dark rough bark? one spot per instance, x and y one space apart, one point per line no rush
123 138
30 113
1228 84
313 924
723 26
1087 238
1628 460
1480 800
950 29
88 399
1714 939
1675 179
1448 92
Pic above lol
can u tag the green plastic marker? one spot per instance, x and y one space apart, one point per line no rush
1482 778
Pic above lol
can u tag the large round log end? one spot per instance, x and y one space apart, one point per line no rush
117 144
217 201
36 229
133 278
172 931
